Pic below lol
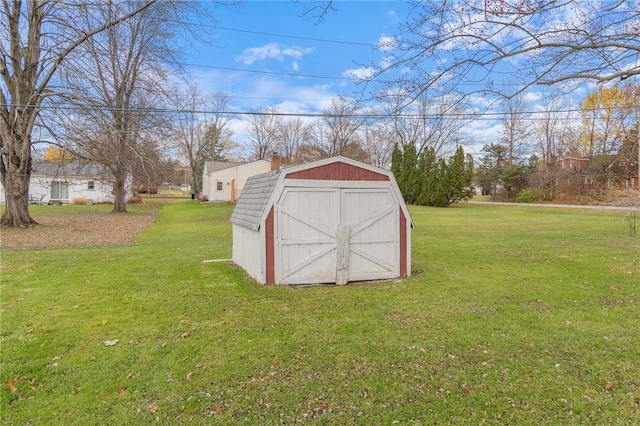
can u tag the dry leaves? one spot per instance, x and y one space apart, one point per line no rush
64 227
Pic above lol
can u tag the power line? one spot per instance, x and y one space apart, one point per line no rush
373 115
322 40
268 72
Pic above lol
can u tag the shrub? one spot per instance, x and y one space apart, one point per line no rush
530 196
153 189
79 201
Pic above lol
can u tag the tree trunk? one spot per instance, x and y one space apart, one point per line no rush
120 202
15 174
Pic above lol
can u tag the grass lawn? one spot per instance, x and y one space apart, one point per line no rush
514 315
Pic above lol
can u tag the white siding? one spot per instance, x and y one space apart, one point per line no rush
40 190
238 173
248 252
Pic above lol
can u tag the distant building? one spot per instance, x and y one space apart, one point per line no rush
64 182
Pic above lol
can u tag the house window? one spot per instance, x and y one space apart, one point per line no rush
59 190
218 186
91 185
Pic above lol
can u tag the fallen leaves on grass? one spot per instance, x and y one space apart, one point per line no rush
10 386
69 228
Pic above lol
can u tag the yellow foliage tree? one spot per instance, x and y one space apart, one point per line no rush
57 155
608 117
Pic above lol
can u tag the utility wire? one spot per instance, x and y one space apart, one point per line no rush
467 115
267 72
323 40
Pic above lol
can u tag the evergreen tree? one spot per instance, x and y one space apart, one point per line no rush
428 171
396 165
409 173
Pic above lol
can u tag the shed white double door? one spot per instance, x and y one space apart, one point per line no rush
326 235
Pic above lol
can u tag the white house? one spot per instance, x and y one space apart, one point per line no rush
66 182
331 221
224 180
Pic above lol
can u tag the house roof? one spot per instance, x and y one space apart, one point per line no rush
258 193
254 198
68 169
216 166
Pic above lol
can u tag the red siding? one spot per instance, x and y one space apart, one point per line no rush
403 244
270 249
338 171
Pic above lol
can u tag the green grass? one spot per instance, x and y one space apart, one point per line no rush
515 315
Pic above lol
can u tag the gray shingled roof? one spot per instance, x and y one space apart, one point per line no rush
253 199
216 166
68 169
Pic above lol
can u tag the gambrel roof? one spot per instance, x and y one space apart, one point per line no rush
254 199
258 193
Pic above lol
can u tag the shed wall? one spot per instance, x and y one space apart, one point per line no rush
247 251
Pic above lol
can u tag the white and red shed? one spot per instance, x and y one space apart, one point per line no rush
331 221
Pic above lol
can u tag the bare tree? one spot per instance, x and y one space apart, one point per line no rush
428 122
378 143
337 132
117 82
515 129
264 128
201 132
36 37
464 43
554 137
292 134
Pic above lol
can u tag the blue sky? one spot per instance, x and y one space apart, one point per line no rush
297 64
269 37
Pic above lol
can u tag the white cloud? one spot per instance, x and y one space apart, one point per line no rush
386 43
479 133
295 66
364 73
533 96
272 51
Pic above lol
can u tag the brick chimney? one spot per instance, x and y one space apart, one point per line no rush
275 161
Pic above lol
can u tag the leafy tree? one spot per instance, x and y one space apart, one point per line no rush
608 117
428 171
514 179
57 155
453 181
427 180
492 165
